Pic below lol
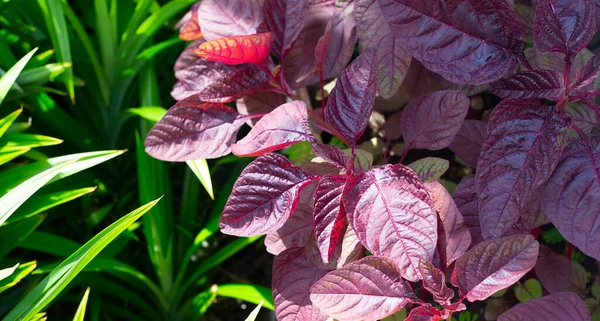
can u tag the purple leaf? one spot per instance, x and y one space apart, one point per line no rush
455 238
297 229
455 39
331 155
430 168
434 281
465 198
224 18
494 265
348 250
294 272
584 118
262 103
553 270
421 81
193 130
368 289
587 73
424 312
370 23
187 57
285 18
263 197
432 121
571 197
467 142
557 306
299 62
565 26
329 214
530 84
218 82
284 126
392 126
393 215
394 61
520 152
350 103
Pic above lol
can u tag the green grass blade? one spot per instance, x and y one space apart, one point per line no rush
41 203
21 271
13 234
7 121
42 75
149 113
141 10
80 314
11 201
40 59
60 277
28 140
249 293
9 153
202 301
200 169
59 35
252 316
4 273
9 78
107 34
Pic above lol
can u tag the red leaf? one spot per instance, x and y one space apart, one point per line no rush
434 281
465 198
453 38
494 265
297 229
189 29
394 61
263 197
226 18
587 73
571 197
193 130
392 126
285 18
393 216
530 84
565 26
467 142
520 152
455 238
329 214
557 306
237 50
424 313
432 121
284 126
430 168
350 103
294 272
320 54
368 289
553 270
263 102
370 23
299 62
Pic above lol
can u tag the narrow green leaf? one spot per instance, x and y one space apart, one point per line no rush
200 168
80 314
28 140
4 273
41 59
249 293
39 317
17 275
107 34
252 316
20 127
141 10
9 153
13 234
202 301
150 113
60 277
7 121
9 78
42 75
59 35
49 243
40 203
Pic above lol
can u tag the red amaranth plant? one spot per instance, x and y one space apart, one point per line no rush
536 158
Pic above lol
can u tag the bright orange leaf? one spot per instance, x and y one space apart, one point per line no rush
252 49
189 27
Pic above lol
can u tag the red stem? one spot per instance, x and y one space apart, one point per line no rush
570 249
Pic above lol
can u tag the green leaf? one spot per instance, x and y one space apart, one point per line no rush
59 35
7 121
21 271
42 75
202 301
9 78
531 289
249 293
28 140
252 316
151 113
9 153
430 168
107 34
60 277
13 234
4 273
80 314
200 169
39 317
398 316
40 203
11 201
19 127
